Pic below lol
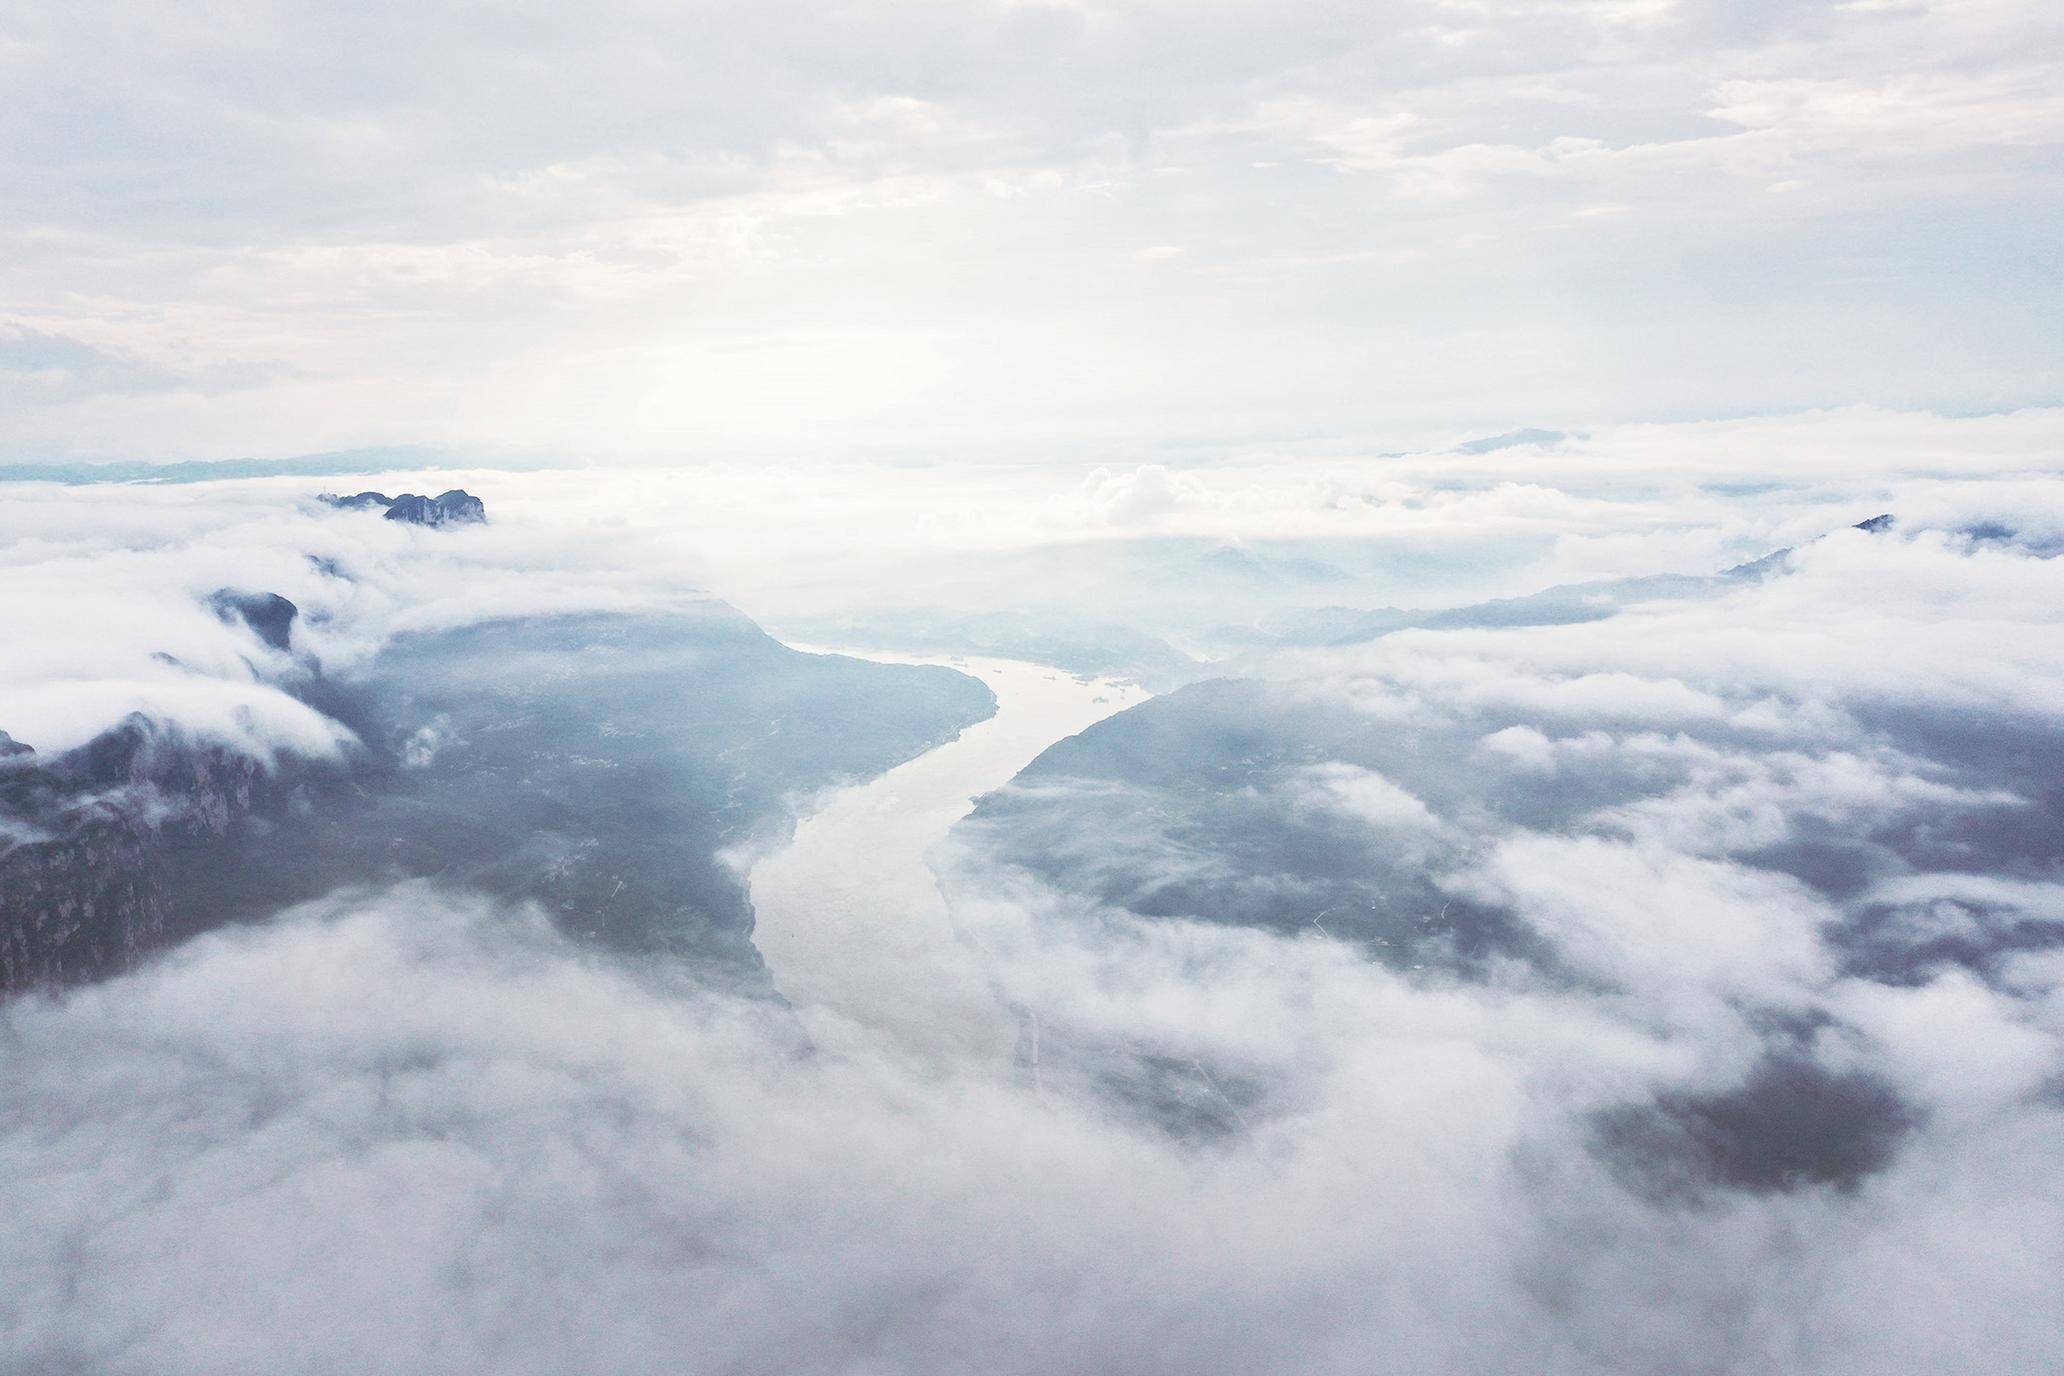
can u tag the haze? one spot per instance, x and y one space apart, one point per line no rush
1036 689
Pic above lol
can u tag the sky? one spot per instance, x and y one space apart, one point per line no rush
1012 230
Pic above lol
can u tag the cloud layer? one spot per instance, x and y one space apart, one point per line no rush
101 581
1012 228
1673 984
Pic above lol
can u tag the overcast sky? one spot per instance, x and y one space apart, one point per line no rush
1067 230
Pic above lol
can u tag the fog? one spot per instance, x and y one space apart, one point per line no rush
1667 978
399 1131
1139 570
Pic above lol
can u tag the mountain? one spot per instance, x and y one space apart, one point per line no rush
1512 439
1562 605
269 616
456 507
602 766
1464 810
86 841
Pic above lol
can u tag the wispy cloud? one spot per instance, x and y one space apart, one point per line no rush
953 229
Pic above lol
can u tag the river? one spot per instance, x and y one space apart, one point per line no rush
849 915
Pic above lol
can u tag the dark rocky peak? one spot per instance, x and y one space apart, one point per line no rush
270 616
459 505
178 773
456 507
1982 533
111 834
130 751
421 511
1774 562
13 752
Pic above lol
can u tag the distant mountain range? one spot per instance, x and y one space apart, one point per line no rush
1562 605
1310 795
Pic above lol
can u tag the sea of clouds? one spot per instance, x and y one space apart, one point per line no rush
404 1130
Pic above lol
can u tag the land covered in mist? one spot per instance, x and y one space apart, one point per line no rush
1588 904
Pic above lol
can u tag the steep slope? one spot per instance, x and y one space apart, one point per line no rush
597 764
1751 793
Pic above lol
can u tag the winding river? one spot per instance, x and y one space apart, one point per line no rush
849 915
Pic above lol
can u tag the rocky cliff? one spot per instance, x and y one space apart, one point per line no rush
84 844
456 507
599 766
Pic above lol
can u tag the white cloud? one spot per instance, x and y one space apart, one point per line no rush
800 231
1955 1046
1663 924
99 579
1369 797
407 1131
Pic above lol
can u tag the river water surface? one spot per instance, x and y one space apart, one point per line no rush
849 915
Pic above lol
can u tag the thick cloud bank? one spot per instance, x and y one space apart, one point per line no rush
1665 974
1723 918
402 1133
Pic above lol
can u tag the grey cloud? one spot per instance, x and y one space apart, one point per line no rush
40 367
1765 849
1669 988
1392 217
402 1130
